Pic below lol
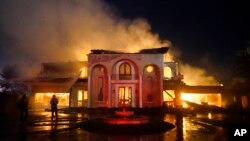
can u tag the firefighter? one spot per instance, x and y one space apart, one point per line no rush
23 107
53 103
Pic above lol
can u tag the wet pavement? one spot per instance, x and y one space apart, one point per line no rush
40 127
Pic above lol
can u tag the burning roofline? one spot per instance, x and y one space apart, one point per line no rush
160 50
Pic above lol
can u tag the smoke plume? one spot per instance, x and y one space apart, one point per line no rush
192 75
36 31
196 76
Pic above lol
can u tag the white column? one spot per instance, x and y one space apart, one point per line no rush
116 96
109 92
161 89
89 91
133 96
140 91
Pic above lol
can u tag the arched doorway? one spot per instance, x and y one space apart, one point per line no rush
99 86
124 84
151 86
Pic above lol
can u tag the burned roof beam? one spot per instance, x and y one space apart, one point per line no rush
161 50
102 51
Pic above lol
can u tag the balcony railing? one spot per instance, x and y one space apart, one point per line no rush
124 77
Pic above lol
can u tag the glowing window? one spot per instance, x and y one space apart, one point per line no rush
80 95
167 72
85 95
125 71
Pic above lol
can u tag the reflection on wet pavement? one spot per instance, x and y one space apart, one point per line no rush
40 127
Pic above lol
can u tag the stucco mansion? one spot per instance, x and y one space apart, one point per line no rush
106 79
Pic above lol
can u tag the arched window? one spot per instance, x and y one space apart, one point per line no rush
125 72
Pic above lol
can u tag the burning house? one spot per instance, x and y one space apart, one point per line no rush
64 79
109 78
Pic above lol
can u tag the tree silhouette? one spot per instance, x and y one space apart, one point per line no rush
240 80
9 72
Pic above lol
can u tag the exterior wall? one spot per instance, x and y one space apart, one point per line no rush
113 85
78 96
99 86
151 83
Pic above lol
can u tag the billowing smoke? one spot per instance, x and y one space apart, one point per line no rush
196 76
192 75
35 31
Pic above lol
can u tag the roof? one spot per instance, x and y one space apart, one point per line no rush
161 50
57 77
53 85
61 69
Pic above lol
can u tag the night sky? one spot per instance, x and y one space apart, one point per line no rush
208 33
205 34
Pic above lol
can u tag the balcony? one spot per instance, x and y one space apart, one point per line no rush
124 77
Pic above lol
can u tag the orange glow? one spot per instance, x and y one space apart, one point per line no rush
42 100
210 99
209 116
184 105
244 101
125 95
83 73
168 57
85 95
167 72
197 76
80 95
168 96
150 69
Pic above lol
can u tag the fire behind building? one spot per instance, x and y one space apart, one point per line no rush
110 78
